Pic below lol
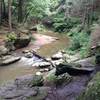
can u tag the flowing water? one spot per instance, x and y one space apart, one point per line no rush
23 67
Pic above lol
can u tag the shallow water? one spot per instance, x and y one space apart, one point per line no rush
24 67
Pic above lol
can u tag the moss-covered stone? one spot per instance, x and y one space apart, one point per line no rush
93 90
58 80
37 80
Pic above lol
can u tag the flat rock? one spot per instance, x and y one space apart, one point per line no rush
6 60
41 64
3 50
57 56
63 68
24 81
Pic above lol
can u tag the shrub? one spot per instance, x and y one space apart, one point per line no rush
64 25
80 42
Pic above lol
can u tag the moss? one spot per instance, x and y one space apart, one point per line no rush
93 90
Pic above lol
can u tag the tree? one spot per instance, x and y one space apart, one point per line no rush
20 11
9 15
0 11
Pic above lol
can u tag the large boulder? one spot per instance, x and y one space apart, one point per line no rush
53 79
22 41
72 69
92 91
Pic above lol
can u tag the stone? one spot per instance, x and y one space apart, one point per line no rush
57 62
18 93
22 41
63 78
28 55
63 68
37 80
38 73
53 79
41 64
24 81
44 70
3 50
9 59
57 56
25 51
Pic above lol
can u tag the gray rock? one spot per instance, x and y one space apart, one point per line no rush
24 81
37 80
57 56
28 55
6 60
42 64
3 50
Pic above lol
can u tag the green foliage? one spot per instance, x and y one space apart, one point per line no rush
40 8
93 90
64 25
11 37
80 43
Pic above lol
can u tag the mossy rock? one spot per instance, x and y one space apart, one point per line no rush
93 90
37 80
60 79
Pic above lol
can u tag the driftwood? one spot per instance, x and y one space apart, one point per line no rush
41 57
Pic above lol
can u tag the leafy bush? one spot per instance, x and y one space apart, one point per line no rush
80 42
64 25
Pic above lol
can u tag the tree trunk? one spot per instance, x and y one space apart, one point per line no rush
20 11
0 12
9 15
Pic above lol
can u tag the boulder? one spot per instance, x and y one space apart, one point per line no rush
24 81
41 64
53 79
72 70
37 80
57 56
16 93
3 50
63 78
9 59
28 55
22 41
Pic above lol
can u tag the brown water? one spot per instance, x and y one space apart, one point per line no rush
23 67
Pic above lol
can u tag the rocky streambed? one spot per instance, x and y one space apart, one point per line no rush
45 78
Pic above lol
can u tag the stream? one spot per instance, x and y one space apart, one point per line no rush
44 45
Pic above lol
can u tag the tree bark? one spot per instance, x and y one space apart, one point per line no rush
20 11
9 15
0 12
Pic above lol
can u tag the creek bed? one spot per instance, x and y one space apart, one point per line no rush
23 67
